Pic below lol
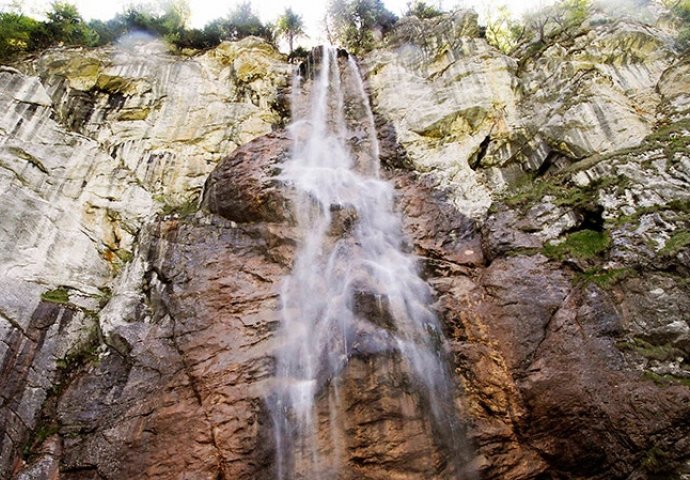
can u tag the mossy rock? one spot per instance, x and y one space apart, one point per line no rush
59 295
678 241
606 278
584 244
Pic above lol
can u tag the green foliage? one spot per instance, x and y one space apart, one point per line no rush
655 461
64 26
167 19
243 22
681 11
504 32
38 436
16 34
666 379
58 295
290 26
422 10
661 353
605 278
575 11
564 194
299 53
178 207
678 241
355 23
583 244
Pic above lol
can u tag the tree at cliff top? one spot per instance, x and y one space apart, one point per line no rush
64 26
506 33
422 10
356 24
16 32
503 31
681 10
290 26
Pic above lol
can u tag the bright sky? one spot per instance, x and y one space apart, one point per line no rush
312 12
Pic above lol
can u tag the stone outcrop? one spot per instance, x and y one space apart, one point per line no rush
480 118
93 144
546 194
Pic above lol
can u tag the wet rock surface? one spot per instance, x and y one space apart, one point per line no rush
563 293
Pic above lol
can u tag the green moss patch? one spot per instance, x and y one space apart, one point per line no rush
661 353
584 244
676 243
181 208
606 278
58 295
666 379
530 191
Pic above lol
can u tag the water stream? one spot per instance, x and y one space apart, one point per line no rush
354 290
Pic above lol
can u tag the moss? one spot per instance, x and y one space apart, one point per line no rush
183 209
666 379
38 436
605 278
655 460
86 352
681 207
678 241
661 353
105 296
583 244
59 295
528 191
671 140
124 255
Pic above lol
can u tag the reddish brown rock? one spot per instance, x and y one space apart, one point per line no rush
543 388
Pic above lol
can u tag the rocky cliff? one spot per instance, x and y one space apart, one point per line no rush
145 238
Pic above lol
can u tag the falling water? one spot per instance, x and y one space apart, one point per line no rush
352 250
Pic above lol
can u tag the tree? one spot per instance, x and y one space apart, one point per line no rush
422 10
16 32
354 23
290 26
243 22
681 10
503 32
576 12
65 26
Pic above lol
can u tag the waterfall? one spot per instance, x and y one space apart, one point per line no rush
353 290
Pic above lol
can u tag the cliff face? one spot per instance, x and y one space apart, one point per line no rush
546 194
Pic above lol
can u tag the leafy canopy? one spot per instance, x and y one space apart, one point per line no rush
290 26
356 24
422 10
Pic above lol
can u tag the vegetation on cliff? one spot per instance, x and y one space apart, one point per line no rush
358 25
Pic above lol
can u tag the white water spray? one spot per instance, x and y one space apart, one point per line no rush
351 251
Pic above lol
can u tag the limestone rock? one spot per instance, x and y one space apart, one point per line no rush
168 119
443 98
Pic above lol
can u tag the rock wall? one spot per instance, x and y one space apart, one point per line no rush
94 144
546 194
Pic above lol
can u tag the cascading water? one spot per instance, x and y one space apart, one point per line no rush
351 254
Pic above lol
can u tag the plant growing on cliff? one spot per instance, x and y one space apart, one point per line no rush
16 32
583 245
65 26
681 11
357 24
422 10
22 34
503 31
290 26
59 295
